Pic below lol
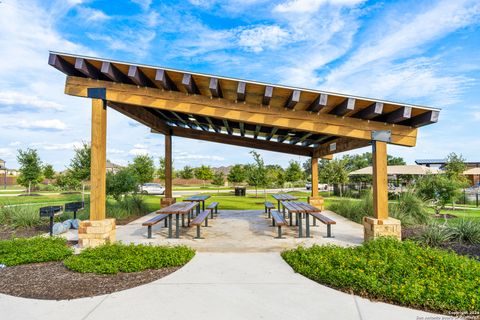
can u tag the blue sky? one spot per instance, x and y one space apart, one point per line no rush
419 52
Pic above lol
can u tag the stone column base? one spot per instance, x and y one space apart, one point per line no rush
374 228
165 202
92 233
317 202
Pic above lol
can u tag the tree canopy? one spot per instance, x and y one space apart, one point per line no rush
142 168
236 174
30 168
80 163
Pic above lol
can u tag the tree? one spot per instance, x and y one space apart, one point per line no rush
161 169
203 173
439 189
66 181
256 173
218 179
294 172
121 183
334 172
275 176
80 165
236 174
48 171
30 168
142 168
455 167
186 173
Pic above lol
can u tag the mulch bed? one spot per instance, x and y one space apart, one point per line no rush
472 250
7 233
53 281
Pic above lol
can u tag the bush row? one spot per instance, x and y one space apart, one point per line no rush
404 273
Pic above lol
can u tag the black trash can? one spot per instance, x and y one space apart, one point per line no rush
240 191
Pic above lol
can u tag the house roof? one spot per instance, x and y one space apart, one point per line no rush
399 170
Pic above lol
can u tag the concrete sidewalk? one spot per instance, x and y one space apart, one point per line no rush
216 286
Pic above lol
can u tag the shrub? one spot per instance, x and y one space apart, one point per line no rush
409 209
32 250
114 258
435 234
467 231
127 206
389 270
20 216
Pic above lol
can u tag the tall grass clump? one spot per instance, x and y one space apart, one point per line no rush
131 205
20 216
466 231
409 209
435 234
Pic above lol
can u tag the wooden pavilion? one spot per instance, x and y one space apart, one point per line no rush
297 121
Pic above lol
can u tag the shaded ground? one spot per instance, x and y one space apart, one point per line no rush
7 232
52 281
472 250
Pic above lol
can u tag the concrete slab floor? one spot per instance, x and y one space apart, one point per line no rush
243 231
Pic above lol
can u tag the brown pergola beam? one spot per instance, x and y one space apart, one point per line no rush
267 95
141 115
240 141
62 65
189 84
223 109
215 88
111 72
293 99
241 91
370 112
139 78
343 108
423 119
166 83
396 116
88 69
339 145
319 103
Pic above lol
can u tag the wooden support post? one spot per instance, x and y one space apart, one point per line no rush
314 177
168 166
380 188
98 172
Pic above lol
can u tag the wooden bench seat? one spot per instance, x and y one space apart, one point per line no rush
198 220
279 221
153 221
213 206
268 208
325 220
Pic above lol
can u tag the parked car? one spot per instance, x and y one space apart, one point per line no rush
321 186
152 188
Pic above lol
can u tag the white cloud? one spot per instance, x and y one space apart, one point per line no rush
397 38
190 156
12 98
92 15
138 151
56 146
144 4
115 151
6 153
134 41
14 143
303 6
49 124
259 38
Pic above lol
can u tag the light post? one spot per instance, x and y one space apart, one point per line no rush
5 175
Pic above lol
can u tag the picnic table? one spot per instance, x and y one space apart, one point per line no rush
177 209
283 197
298 208
198 199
